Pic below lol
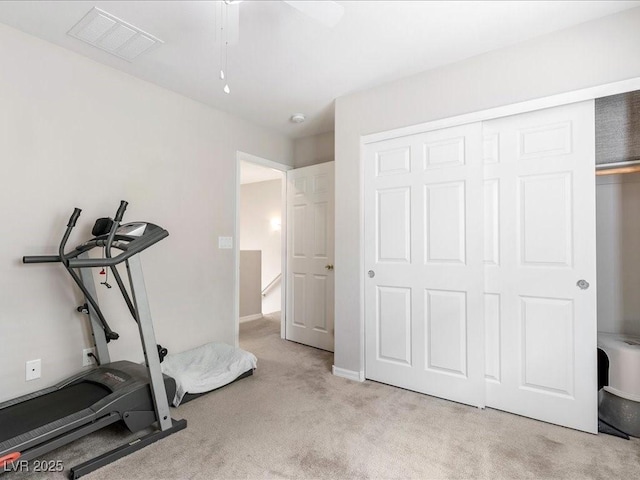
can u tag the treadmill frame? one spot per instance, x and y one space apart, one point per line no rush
88 423
97 332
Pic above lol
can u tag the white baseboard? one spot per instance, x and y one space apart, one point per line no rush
350 374
248 318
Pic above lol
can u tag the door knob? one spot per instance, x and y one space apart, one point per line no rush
371 273
582 284
329 267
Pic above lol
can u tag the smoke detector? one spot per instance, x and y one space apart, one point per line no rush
297 118
115 36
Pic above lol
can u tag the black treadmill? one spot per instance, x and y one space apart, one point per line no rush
138 395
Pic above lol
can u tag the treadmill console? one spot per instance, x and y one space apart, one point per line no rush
135 229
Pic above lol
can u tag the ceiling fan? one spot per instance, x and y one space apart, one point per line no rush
326 12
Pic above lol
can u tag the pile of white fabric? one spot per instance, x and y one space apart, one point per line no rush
206 368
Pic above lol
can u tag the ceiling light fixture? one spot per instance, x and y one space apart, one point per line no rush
297 118
224 44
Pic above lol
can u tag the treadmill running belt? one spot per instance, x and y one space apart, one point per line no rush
26 416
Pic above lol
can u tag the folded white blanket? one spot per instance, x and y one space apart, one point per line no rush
207 367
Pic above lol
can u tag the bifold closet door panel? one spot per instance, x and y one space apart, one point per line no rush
540 265
423 270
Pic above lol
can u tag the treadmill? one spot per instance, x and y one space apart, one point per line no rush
136 394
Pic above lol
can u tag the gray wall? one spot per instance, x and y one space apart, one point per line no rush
250 276
314 149
77 133
594 53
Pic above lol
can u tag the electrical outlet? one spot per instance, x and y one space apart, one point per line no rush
33 369
88 361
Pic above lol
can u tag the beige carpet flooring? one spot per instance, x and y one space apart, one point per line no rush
294 419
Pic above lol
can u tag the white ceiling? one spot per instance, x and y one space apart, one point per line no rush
285 62
252 173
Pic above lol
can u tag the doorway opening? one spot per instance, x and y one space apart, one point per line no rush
261 208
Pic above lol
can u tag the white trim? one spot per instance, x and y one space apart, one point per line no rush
248 318
363 267
513 109
236 259
283 255
348 374
247 157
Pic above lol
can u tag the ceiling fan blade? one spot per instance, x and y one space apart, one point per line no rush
324 11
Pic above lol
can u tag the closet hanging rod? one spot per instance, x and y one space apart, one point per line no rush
618 168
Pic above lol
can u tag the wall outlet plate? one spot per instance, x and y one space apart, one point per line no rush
88 361
33 369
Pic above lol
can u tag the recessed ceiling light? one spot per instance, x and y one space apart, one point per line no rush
109 33
297 118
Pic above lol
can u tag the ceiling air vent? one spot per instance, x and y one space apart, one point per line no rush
109 33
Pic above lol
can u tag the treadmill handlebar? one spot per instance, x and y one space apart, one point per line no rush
130 249
133 248
41 259
121 210
114 227
74 217
63 243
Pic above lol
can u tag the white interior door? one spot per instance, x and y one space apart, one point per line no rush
310 283
539 247
424 257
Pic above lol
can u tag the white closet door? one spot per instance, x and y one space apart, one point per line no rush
423 263
310 283
540 301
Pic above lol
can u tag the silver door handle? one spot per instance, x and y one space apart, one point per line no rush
371 273
329 267
582 284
